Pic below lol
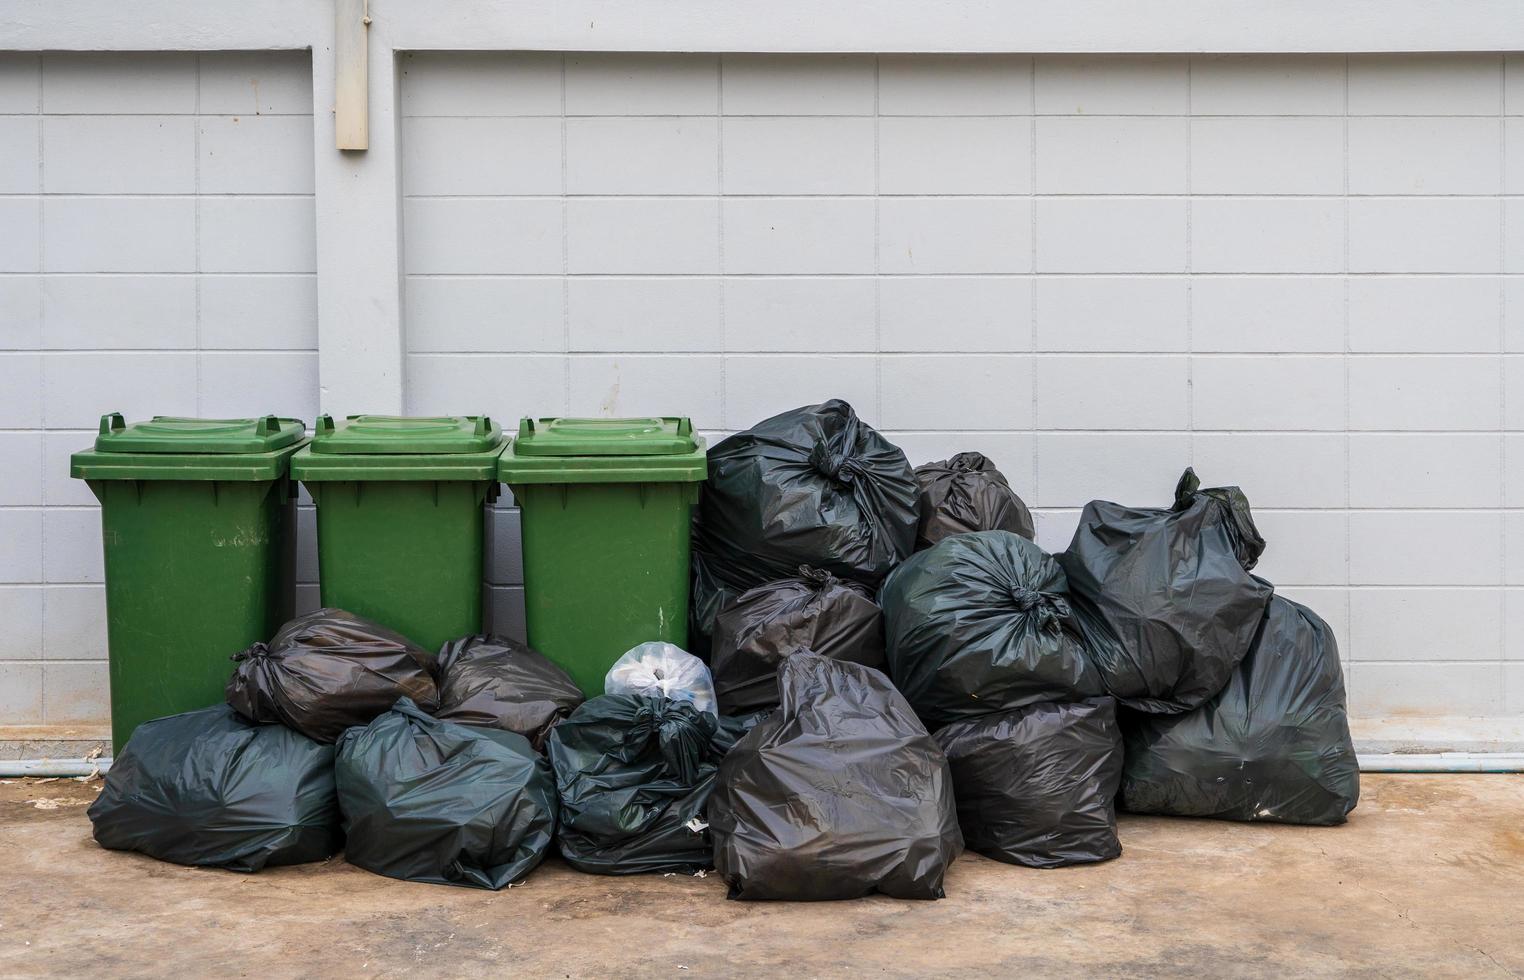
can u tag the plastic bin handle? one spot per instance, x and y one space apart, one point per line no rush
324 423
112 422
267 425
526 428
483 425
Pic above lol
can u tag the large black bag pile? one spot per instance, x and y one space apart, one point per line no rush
1165 597
1273 745
329 670
979 623
634 776
815 610
814 486
837 794
967 493
434 801
501 683
211 788
1037 785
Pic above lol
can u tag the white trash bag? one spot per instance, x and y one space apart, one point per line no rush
658 668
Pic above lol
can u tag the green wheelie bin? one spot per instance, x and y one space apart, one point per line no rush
400 518
199 525
605 507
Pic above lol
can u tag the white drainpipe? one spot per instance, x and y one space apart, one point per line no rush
13 768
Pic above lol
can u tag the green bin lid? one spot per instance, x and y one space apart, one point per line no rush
604 437
581 450
168 434
394 435
393 447
170 448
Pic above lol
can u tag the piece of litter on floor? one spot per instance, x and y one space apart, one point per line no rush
670 874
50 779
94 754
701 873
681 967
696 825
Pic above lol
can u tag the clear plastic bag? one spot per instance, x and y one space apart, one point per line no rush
658 669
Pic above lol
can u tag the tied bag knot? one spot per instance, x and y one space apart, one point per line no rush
681 731
1048 607
819 578
257 651
840 469
1247 542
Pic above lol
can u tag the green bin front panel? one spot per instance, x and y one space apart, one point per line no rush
405 554
195 572
605 568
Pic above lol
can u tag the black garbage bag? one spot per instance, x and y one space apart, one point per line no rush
1038 785
502 683
967 493
329 670
837 794
434 801
1274 745
1164 597
634 776
732 727
815 610
814 486
980 622
211 788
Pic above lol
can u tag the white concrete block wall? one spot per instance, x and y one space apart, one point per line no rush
156 257
1302 274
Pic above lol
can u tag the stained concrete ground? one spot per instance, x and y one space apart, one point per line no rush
1426 880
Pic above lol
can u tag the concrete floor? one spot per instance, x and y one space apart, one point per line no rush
1426 880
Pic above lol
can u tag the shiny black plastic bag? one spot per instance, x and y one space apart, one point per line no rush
837 794
634 776
329 670
732 728
434 801
1037 786
967 493
211 788
1164 597
814 486
815 610
1274 745
981 622
501 683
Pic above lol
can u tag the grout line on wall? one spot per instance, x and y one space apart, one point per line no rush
1036 461
196 184
1348 441
1503 371
1044 274
566 379
863 115
1190 267
719 164
859 195
42 447
878 246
